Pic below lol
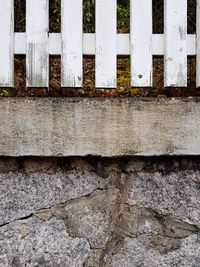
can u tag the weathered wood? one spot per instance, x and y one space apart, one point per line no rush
106 35
37 23
198 45
37 43
175 56
105 127
141 43
72 43
6 43
123 44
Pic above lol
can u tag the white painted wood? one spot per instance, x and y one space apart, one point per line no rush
175 55
55 44
37 22
6 43
71 43
123 44
20 43
198 45
141 43
106 32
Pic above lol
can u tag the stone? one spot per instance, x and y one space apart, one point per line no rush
45 244
178 229
94 258
94 212
174 194
91 217
44 215
134 222
145 252
166 244
25 192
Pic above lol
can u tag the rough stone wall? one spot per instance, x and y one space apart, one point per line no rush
90 212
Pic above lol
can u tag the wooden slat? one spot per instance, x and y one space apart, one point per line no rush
123 44
71 43
106 27
198 45
141 43
6 43
175 57
37 21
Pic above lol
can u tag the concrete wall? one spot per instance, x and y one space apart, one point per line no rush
99 127
94 211
123 212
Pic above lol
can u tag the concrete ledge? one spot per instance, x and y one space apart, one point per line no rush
94 126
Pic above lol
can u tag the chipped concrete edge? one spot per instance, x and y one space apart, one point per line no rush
99 126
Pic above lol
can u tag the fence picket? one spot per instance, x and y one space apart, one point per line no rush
175 55
6 43
37 21
141 43
72 43
198 45
106 35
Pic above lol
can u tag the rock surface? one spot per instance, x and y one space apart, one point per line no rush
99 212
33 242
143 252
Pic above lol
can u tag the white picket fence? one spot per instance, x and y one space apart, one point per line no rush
37 43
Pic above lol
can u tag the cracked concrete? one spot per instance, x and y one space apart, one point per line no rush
99 212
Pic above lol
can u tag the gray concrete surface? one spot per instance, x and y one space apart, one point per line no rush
99 126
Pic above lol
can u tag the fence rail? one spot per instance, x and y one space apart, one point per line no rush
105 44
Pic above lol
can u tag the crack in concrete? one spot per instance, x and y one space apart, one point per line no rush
164 217
51 207
19 219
